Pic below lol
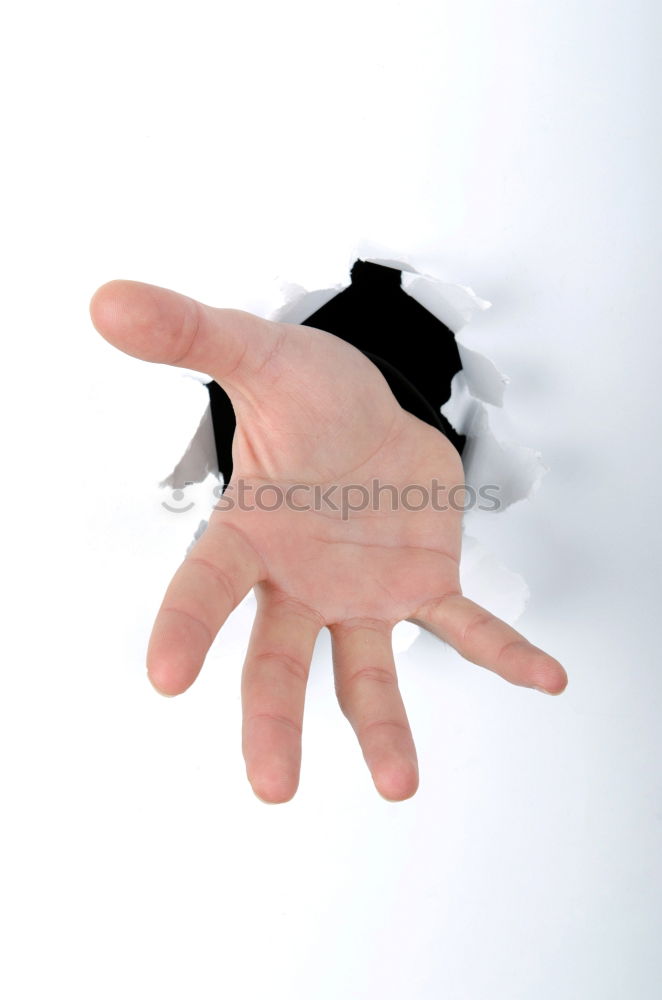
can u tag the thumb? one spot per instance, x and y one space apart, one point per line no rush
160 325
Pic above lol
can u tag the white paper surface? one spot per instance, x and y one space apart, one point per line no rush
207 149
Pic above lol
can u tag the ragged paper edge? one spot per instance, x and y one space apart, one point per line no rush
515 470
199 459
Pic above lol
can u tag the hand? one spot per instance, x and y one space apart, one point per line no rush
314 412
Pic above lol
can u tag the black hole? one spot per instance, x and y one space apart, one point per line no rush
416 353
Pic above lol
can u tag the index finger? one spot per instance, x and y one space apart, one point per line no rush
214 577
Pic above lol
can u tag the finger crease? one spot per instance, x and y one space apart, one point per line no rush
248 542
219 575
196 316
510 644
477 622
299 608
273 351
361 624
426 611
292 664
378 674
273 717
193 618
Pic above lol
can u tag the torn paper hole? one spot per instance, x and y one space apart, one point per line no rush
515 470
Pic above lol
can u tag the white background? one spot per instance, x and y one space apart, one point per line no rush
213 148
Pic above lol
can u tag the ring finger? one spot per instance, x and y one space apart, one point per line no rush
369 696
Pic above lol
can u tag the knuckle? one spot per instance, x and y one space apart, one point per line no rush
292 664
479 620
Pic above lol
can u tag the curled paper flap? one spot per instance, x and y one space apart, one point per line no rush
514 470
299 304
489 583
455 306
199 459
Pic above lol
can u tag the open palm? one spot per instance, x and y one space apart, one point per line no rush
337 513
